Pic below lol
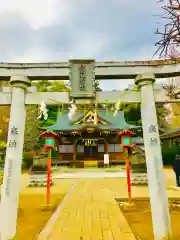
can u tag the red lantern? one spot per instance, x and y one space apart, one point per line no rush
126 142
49 138
126 138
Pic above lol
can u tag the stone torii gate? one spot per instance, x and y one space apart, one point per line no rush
82 74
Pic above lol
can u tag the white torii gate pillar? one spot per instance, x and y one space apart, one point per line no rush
14 151
156 181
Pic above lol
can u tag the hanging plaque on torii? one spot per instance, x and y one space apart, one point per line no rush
82 76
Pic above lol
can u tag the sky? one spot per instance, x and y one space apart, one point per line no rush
57 30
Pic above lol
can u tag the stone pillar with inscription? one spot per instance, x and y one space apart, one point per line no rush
156 181
14 151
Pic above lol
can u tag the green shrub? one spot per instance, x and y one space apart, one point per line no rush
53 153
2 156
38 168
2 145
27 160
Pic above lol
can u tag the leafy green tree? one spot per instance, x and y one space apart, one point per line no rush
2 148
58 86
42 86
2 143
132 113
50 86
4 121
162 113
172 89
52 116
32 131
96 86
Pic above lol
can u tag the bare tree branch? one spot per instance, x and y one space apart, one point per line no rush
172 89
169 44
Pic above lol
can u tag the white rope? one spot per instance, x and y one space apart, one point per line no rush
43 111
117 105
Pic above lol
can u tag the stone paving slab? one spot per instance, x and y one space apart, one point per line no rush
89 175
91 213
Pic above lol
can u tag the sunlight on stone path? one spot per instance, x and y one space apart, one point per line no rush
91 213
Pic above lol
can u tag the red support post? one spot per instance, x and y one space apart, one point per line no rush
106 148
48 177
128 170
74 155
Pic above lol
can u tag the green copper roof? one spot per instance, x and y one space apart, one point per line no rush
117 122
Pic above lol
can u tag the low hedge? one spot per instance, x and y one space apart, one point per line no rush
27 160
38 168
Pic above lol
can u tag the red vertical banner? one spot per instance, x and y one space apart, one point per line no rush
128 171
48 177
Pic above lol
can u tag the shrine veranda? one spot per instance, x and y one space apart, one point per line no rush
82 74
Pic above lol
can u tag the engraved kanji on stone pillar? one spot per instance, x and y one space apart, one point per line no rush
156 181
14 150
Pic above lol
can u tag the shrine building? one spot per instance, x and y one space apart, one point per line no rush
90 135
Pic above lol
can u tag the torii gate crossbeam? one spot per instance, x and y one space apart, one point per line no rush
105 97
103 70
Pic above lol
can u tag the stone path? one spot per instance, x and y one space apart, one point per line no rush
90 213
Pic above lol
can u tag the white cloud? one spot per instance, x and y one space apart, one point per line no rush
88 46
85 48
39 13
145 53
32 55
55 30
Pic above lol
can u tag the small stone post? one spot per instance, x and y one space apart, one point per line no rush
14 151
156 181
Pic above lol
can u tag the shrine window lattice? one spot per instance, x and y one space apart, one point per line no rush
113 148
